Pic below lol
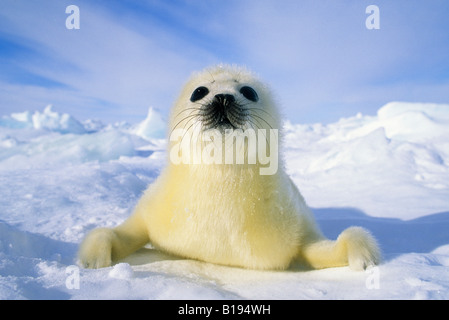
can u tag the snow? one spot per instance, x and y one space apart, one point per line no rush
153 127
121 271
60 178
48 119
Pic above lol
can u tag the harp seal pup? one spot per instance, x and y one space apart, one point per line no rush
222 213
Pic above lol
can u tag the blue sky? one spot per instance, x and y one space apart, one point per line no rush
318 56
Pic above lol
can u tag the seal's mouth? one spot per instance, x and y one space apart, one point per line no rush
224 123
223 112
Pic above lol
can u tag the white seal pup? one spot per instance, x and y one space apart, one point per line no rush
210 206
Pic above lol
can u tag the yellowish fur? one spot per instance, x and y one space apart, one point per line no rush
228 214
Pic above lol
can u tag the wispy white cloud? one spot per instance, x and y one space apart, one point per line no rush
318 56
324 62
103 62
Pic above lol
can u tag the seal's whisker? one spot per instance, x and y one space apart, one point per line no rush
187 109
188 130
189 117
236 117
251 121
261 118
237 110
261 110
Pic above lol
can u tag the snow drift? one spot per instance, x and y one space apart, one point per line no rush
60 178
153 127
48 119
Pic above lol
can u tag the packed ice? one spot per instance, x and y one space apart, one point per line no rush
61 177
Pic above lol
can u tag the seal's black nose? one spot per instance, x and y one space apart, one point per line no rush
225 99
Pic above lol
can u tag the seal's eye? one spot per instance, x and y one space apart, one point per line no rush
199 93
249 93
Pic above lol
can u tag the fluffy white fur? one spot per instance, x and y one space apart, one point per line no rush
228 214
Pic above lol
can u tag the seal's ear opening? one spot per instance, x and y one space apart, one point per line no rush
199 94
249 93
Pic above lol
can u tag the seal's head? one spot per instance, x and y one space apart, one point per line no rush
225 97
225 115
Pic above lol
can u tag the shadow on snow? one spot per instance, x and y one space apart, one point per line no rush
395 236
